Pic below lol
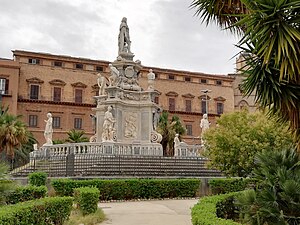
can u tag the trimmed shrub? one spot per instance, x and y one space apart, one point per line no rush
222 186
46 211
132 188
26 193
227 209
204 212
37 178
87 199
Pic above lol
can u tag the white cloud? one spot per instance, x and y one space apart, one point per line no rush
164 33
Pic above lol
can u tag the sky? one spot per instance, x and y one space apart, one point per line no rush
163 33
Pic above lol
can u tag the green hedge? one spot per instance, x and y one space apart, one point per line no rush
26 193
132 188
204 212
38 178
87 199
222 186
45 211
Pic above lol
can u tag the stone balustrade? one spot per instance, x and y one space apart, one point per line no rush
112 148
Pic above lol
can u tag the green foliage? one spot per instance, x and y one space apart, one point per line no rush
270 40
37 178
168 130
13 133
22 153
132 188
77 217
227 209
76 136
58 141
6 185
277 198
204 212
26 193
87 199
222 186
45 211
233 144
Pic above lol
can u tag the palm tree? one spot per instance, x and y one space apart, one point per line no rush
76 136
13 133
22 153
168 129
270 36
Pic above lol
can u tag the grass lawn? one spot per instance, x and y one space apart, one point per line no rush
77 218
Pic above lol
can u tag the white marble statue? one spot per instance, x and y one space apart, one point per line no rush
155 118
113 79
48 129
151 78
176 145
108 125
124 38
131 125
101 81
204 124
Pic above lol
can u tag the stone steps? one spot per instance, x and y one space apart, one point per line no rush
135 166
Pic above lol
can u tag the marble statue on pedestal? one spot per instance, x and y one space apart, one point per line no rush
151 78
204 125
176 145
108 125
48 129
101 81
124 38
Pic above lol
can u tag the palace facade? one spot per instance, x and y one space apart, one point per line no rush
33 84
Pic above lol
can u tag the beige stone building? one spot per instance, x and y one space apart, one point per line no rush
33 84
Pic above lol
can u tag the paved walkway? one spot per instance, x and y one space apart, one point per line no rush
154 212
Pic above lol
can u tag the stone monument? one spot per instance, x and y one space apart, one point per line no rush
48 130
124 110
204 125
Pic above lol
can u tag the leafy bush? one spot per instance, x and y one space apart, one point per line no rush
204 212
46 211
277 198
6 185
26 193
87 199
132 188
227 209
37 178
222 186
232 145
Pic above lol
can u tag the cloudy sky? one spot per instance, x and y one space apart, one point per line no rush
164 33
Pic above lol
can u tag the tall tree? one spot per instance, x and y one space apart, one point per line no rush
76 136
168 128
13 133
270 35
239 136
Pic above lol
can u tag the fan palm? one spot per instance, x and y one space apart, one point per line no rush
13 133
22 153
270 35
76 136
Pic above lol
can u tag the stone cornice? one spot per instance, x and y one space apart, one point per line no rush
34 80
56 103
